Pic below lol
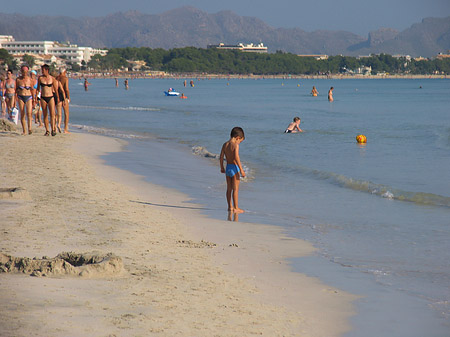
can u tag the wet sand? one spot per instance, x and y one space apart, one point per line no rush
181 273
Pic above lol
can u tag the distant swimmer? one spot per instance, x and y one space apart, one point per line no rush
86 84
191 83
294 126
330 94
314 91
183 96
117 83
184 83
126 84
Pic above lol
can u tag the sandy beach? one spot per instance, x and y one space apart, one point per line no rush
170 270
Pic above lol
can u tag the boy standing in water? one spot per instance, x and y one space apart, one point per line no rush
233 171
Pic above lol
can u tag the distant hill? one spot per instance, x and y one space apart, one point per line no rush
188 26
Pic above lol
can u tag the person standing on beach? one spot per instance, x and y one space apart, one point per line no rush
47 85
330 94
24 86
36 107
2 96
233 171
59 102
64 81
10 92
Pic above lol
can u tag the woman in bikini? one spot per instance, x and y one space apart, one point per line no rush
24 85
61 101
2 96
47 85
10 92
36 106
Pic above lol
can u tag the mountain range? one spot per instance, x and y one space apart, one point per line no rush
188 26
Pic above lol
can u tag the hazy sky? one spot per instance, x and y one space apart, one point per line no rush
357 16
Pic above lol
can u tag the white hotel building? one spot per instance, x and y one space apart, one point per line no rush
70 52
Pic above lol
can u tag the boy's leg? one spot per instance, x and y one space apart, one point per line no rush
229 192
235 193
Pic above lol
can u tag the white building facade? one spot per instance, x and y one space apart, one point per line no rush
70 52
254 48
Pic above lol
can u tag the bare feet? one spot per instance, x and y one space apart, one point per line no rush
238 210
66 131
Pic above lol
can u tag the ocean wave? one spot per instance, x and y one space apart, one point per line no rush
383 191
109 132
203 152
133 108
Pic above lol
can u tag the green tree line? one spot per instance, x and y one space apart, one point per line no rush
211 60
190 59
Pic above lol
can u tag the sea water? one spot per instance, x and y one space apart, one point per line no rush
379 213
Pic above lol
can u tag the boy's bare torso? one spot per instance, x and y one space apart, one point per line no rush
230 149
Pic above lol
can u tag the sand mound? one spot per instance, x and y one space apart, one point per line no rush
6 125
14 193
66 263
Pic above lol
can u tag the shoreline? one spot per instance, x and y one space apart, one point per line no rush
203 76
184 273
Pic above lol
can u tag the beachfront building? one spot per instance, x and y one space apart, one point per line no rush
70 52
258 48
318 57
442 56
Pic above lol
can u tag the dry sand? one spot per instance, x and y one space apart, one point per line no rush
174 271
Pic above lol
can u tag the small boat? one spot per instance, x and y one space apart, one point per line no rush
171 92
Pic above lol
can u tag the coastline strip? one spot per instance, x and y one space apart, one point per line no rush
184 274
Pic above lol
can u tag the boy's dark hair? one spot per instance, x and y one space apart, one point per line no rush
296 119
237 132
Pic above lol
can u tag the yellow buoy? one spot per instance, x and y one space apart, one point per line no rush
361 139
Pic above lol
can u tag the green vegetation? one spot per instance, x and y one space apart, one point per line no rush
190 59
7 59
214 61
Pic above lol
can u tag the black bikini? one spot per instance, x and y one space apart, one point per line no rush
49 98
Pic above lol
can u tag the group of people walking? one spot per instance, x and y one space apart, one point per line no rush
47 95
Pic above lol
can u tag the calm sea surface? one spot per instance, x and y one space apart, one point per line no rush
379 213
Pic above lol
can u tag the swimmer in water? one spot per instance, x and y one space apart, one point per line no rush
330 94
294 126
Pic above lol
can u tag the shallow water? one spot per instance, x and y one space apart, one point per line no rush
380 212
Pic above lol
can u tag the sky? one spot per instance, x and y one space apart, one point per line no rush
356 16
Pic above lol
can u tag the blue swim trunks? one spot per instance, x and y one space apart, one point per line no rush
231 170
